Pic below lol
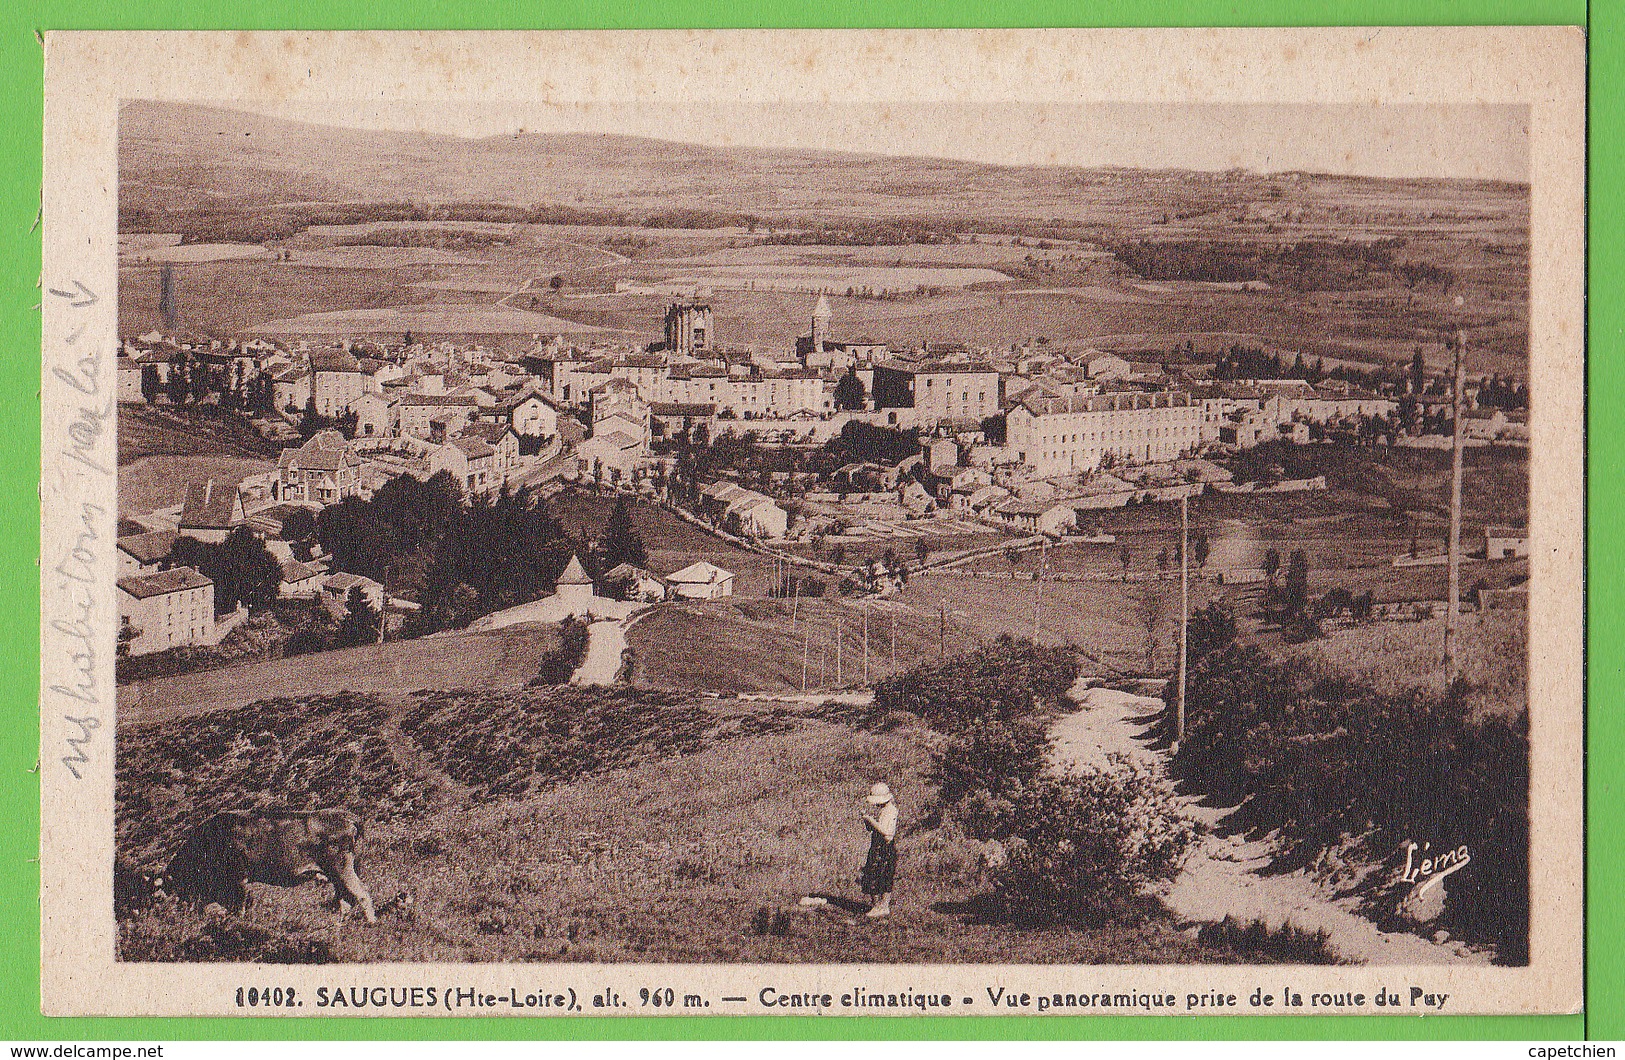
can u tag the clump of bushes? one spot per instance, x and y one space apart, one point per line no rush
561 663
1087 846
1012 678
512 744
1319 759
1287 944
1081 846
286 753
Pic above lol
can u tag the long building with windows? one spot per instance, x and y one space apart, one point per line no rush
1056 435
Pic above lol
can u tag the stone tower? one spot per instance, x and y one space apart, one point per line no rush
820 324
688 328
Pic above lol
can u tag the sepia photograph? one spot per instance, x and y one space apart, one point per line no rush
822 532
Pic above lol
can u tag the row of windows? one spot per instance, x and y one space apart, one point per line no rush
1127 434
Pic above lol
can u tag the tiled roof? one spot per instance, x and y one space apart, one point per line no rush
209 506
149 547
142 586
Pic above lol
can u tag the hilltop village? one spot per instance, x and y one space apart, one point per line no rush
826 439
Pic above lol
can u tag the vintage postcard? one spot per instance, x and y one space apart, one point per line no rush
879 523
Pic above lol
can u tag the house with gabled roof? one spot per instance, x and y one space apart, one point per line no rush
212 510
165 609
701 581
144 553
324 470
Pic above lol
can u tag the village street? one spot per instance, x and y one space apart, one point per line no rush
1224 874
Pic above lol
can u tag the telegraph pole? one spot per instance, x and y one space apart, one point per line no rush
866 644
1184 615
1038 588
1451 604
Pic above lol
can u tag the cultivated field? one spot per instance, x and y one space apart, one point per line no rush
570 826
738 646
504 658
441 319
1077 291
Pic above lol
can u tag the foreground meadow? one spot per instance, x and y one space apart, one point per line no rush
564 825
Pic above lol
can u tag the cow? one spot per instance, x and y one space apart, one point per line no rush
285 848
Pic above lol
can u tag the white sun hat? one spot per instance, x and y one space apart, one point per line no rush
879 795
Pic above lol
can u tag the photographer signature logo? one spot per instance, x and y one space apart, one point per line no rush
1426 870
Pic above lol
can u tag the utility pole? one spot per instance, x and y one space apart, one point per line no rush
1184 615
838 636
1038 588
866 644
894 644
1453 595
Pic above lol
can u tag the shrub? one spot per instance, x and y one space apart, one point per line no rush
561 663
1318 759
1012 678
988 756
1085 846
1287 944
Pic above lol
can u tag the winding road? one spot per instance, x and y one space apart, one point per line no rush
1223 875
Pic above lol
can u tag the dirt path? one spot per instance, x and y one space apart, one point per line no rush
605 643
1222 875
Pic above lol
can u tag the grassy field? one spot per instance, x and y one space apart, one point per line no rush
691 839
162 449
1103 618
148 483
733 646
1390 656
504 658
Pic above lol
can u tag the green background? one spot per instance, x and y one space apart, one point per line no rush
20 110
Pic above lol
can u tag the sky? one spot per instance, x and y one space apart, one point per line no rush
1390 140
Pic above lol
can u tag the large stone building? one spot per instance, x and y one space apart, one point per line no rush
337 382
1056 435
937 391
324 470
167 609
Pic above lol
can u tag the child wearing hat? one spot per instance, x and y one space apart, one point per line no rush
880 868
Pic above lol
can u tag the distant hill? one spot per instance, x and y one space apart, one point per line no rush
180 155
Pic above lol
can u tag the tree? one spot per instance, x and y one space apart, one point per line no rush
1013 555
242 569
1212 628
850 394
1272 564
298 525
1297 582
1199 550
922 551
556 283
317 632
361 622
1150 609
621 543
1125 557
